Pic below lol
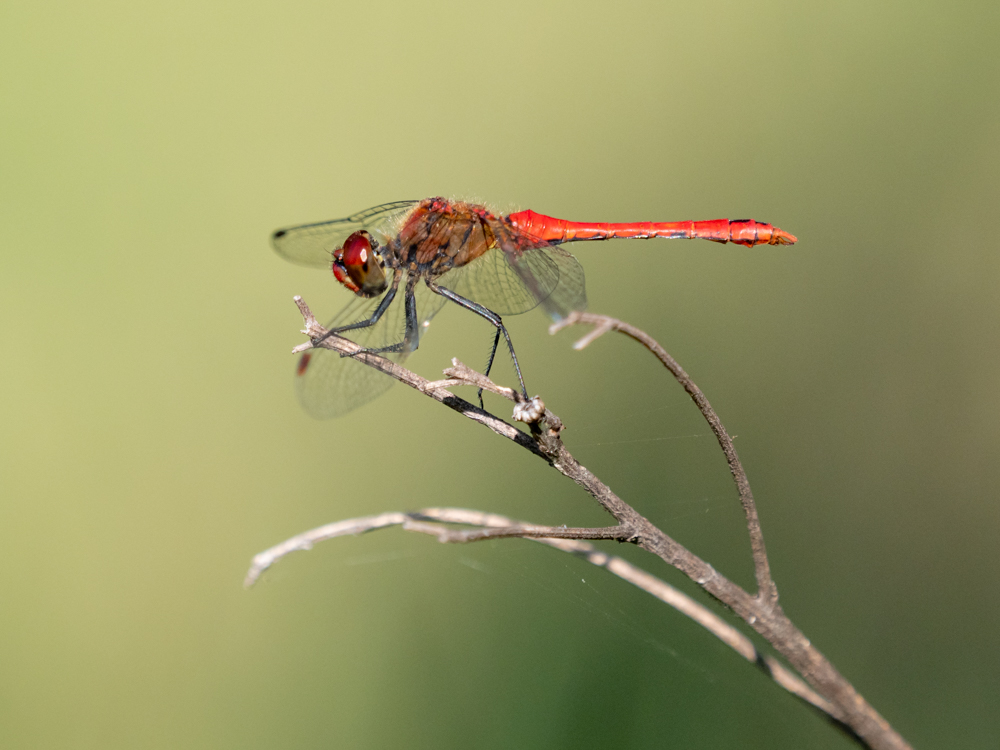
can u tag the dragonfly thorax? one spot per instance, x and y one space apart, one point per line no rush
440 234
359 265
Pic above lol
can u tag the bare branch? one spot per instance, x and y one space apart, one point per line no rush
523 531
467 376
430 520
766 589
305 541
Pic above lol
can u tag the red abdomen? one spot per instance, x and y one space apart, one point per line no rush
742 232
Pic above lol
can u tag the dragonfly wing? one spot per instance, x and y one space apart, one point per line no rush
554 275
329 385
313 244
492 282
513 281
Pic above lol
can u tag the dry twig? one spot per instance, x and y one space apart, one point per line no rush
831 692
430 520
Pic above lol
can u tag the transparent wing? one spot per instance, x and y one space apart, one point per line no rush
329 385
491 281
554 276
511 280
313 244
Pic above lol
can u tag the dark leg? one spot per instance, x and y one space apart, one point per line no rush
493 353
489 364
493 318
412 335
375 316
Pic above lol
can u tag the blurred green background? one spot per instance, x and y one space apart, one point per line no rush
150 441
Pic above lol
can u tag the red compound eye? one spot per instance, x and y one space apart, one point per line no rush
357 250
358 266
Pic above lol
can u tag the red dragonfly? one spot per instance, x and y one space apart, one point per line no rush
420 254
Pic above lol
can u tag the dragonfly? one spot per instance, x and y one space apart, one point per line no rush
404 260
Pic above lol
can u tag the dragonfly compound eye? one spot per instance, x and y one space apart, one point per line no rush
358 265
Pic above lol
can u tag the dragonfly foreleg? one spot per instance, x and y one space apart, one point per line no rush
411 337
367 322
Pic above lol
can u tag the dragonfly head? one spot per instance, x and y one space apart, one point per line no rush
359 265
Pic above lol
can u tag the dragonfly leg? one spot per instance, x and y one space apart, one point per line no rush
412 335
367 322
379 350
375 317
489 365
493 318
